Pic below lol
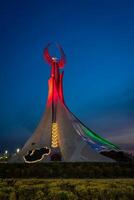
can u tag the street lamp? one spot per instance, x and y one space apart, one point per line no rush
6 151
17 150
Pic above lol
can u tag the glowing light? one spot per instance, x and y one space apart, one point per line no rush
54 59
55 133
17 150
50 91
98 138
61 88
6 151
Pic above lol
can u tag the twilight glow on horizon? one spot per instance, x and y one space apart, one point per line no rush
98 40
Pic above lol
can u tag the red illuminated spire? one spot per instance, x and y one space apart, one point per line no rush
55 81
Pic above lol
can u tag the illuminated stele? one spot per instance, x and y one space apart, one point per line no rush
60 135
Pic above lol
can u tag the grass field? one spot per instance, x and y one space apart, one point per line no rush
66 189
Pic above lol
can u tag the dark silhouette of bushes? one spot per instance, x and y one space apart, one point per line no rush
67 170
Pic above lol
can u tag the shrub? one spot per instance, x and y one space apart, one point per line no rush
12 196
82 192
63 189
3 196
61 195
39 195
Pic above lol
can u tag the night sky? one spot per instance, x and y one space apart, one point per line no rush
98 40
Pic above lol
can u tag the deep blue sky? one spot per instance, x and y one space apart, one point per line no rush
98 39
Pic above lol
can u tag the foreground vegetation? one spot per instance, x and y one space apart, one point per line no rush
67 170
66 189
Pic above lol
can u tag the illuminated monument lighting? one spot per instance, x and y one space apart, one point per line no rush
60 135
